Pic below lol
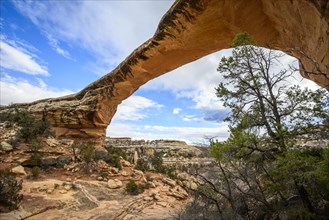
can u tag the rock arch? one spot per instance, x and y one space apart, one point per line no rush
190 30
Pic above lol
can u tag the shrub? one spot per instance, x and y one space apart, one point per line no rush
142 165
100 155
103 173
113 156
87 151
117 151
113 160
156 162
30 127
35 172
134 188
35 155
9 191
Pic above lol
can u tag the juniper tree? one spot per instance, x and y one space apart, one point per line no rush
261 169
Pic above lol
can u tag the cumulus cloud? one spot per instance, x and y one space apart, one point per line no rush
195 81
14 90
135 108
176 111
22 60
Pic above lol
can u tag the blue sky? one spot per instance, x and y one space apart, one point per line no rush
55 48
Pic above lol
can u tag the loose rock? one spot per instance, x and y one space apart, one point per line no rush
114 184
19 170
5 146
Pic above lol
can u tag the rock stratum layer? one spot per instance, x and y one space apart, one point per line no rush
190 30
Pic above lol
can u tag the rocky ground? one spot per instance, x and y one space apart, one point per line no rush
70 189
88 199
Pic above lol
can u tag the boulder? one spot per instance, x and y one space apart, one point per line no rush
6 146
125 163
124 173
169 181
114 170
19 170
101 164
178 193
193 185
52 142
48 162
114 184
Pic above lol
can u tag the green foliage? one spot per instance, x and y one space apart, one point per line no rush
87 151
242 39
35 172
104 174
35 155
156 163
113 156
134 188
262 172
9 191
142 165
31 128
113 160
322 173
117 151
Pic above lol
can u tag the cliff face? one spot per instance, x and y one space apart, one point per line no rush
190 30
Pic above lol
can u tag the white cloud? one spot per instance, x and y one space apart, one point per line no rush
135 108
176 111
55 45
14 90
15 58
189 118
195 81
148 132
108 29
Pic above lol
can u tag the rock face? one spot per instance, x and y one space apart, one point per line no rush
190 30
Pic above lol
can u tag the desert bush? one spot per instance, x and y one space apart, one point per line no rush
134 188
113 160
100 155
9 191
113 156
156 163
142 165
117 151
35 172
35 155
87 151
32 128
104 174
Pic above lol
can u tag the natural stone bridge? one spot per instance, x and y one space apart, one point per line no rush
190 30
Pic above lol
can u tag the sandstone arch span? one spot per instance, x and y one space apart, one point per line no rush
190 30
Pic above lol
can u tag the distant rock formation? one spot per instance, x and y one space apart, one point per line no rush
190 30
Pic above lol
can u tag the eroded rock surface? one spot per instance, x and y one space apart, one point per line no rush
190 30
56 199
